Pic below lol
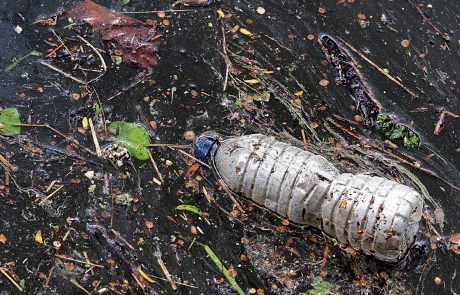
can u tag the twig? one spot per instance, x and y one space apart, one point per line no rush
61 72
76 284
96 142
79 261
50 195
58 132
55 50
123 239
7 165
164 269
87 261
50 274
440 123
193 158
155 11
155 166
171 145
228 63
425 19
104 66
378 68
230 194
2 270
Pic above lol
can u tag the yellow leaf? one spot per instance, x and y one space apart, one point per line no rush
299 93
245 32
252 81
267 72
145 276
38 237
220 13
84 122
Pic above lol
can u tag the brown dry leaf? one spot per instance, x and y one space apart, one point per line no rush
405 43
194 93
311 37
137 40
321 10
161 14
314 125
323 82
361 16
280 229
454 243
2 238
285 222
69 266
148 224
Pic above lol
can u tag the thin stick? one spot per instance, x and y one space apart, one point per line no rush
379 68
193 158
79 261
304 138
155 11
7 165
61 72
226 58
137 281
440 123
11 279
96 142
230 194
171 145
176 282
50 274
58 132
104 66
76 284
166 272
155 166
123 239
87 261
55 50
50 195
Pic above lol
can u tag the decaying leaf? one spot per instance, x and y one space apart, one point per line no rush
454 243
136 40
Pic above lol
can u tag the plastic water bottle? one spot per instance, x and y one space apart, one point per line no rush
377 216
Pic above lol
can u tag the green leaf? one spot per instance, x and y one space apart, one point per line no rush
19 60
126 2
190 208
91 188
123 199
222 269
320 287
117 59
263 96
238 103
132 136
36 53
22 283
8 118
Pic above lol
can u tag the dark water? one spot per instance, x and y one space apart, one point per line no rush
190 59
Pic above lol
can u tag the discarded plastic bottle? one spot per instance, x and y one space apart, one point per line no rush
371 214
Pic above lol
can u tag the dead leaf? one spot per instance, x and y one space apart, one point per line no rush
405 43
137 40
323 82
38 237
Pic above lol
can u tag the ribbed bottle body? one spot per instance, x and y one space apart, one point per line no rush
375 215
